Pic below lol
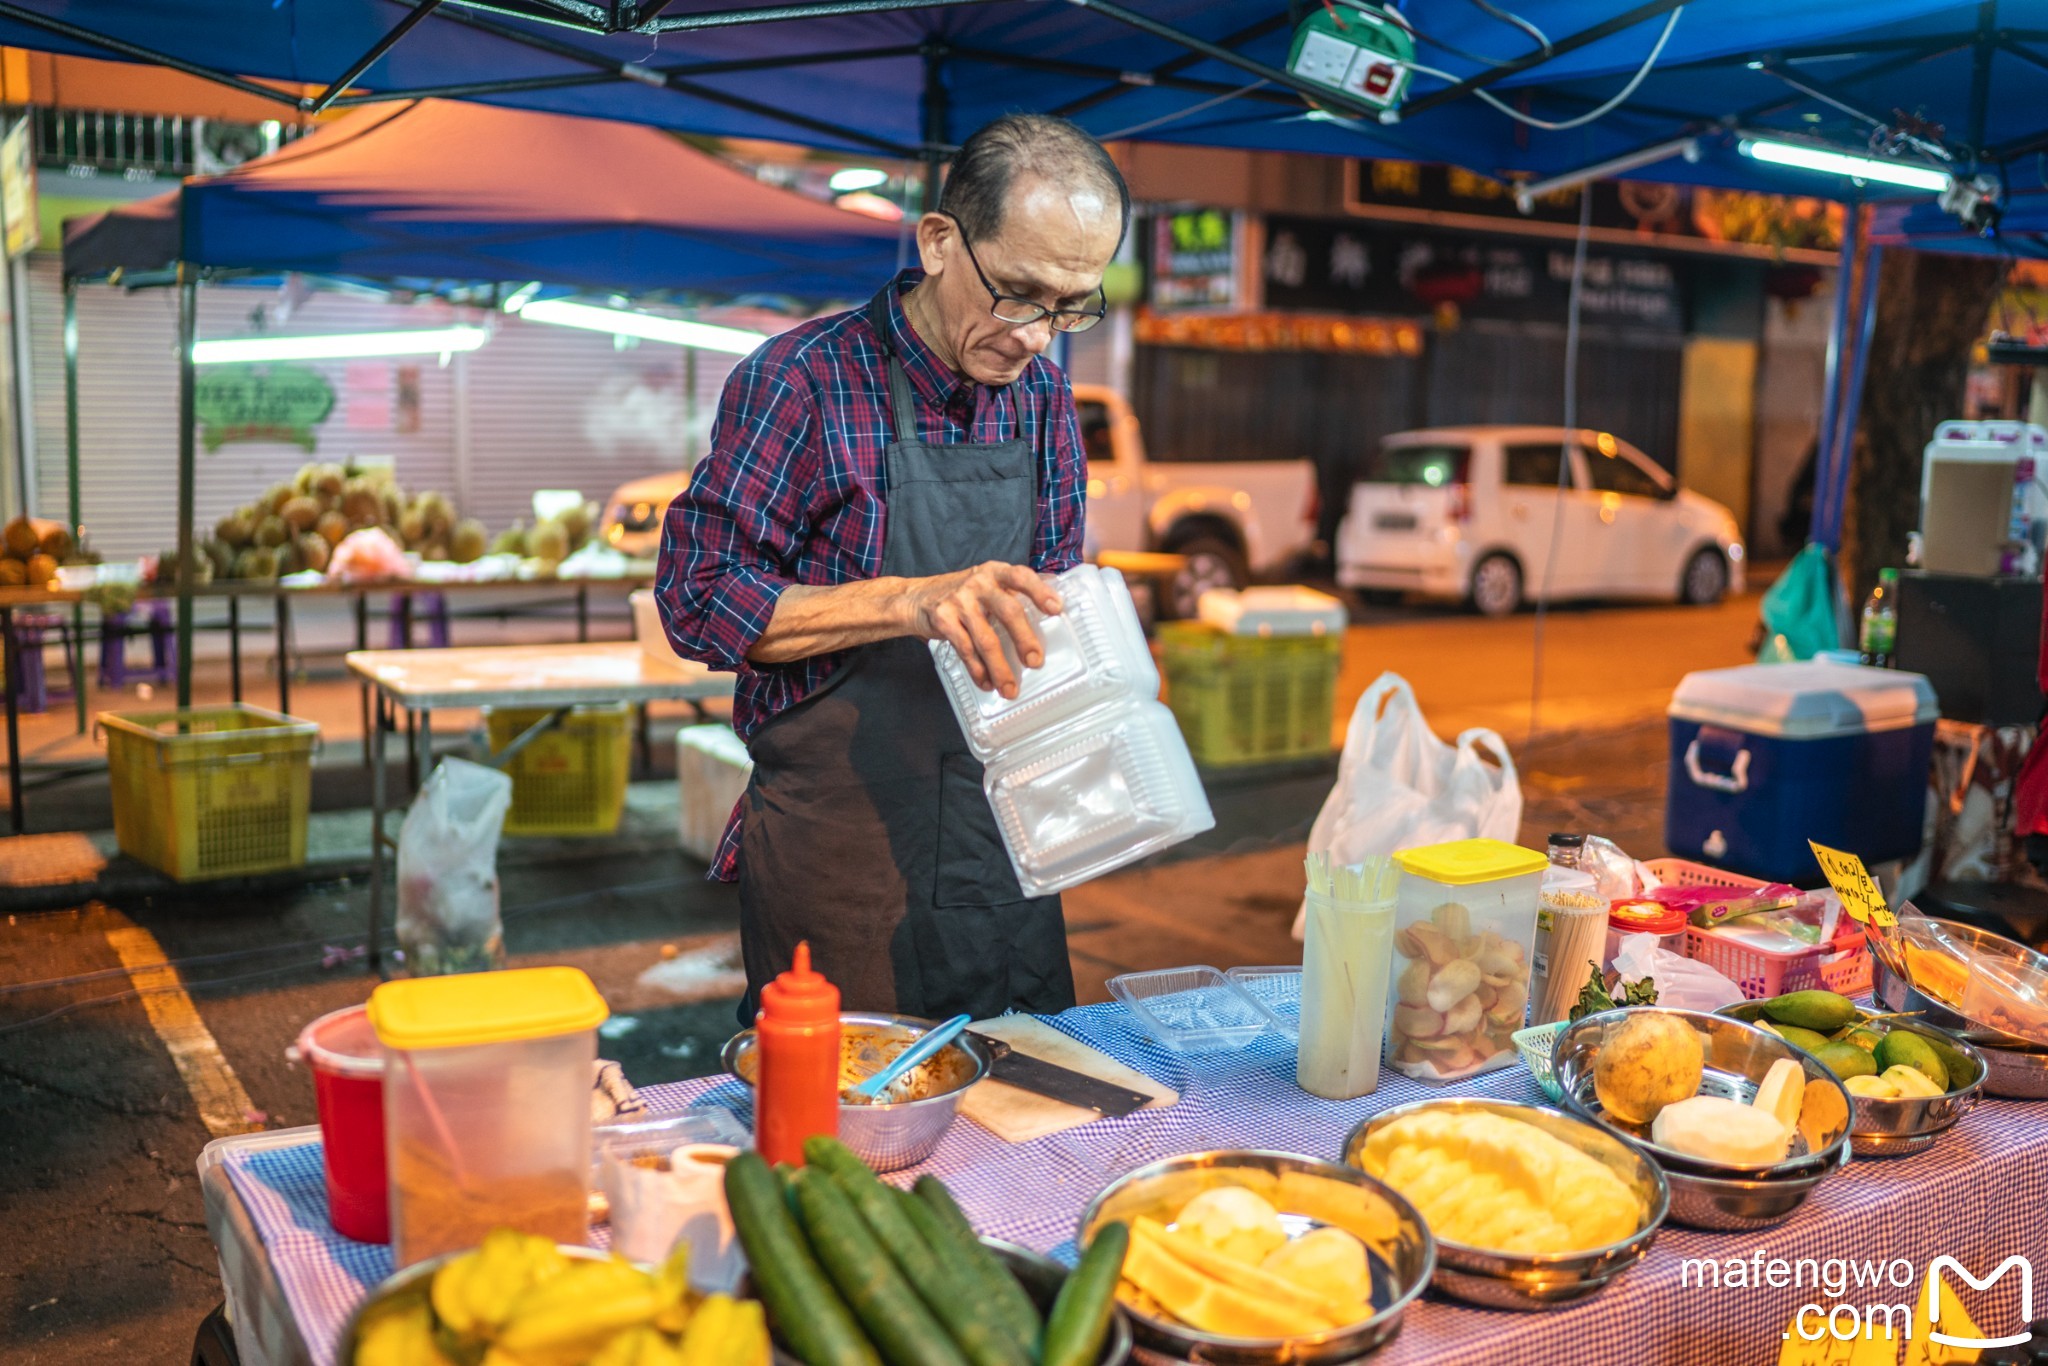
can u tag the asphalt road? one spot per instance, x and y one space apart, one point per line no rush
111 1260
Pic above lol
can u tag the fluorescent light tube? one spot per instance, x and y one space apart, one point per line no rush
856 178
622 322
433 341
1837 163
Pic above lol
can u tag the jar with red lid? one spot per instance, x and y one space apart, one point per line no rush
1625 918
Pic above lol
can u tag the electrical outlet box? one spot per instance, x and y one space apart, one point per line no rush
1355 50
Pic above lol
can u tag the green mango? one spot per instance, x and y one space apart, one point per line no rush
1904 1048
1846 1060
1821 1011
1803 1038
1863 1036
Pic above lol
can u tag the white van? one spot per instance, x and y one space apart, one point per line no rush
1471 513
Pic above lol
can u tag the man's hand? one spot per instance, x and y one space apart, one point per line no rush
975 609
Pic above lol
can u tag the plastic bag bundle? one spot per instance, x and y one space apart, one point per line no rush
448 871
1085 769
1682 983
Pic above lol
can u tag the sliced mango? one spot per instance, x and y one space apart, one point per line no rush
1208 1304
1254 1280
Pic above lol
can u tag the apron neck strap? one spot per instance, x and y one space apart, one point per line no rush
902 410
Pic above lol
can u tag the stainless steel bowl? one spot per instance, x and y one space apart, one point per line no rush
1738 1057
1895 1128
1403 1253
1042 1278
1509 1280
1736 1204
2014 1068
888 1137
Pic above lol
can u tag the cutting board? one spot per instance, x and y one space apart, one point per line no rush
1017 1116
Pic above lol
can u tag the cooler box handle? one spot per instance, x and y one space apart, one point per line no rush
1736 779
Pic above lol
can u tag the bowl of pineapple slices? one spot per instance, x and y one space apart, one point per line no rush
1531 1208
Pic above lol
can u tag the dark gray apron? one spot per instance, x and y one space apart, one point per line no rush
865 829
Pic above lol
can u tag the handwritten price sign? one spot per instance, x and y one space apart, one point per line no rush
1852 882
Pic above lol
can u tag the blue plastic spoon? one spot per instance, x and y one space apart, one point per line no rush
934 1040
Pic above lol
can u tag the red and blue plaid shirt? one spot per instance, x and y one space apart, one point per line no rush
793 491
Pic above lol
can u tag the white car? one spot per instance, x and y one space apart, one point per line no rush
1472 513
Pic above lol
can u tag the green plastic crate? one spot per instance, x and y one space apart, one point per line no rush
571 778
1250 699
210 792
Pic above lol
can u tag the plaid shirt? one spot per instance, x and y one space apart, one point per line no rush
794 491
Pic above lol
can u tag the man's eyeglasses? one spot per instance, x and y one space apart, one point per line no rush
1021 312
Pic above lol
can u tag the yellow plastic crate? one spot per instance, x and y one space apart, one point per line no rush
1250 699
571 780
211 792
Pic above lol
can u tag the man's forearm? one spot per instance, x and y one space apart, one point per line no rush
812 620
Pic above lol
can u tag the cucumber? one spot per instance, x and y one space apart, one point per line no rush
1079 1321
981 1337
812 1318
896 1320
939 1219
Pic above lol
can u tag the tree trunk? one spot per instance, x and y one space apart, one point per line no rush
1931 311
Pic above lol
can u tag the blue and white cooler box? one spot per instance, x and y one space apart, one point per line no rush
1768 756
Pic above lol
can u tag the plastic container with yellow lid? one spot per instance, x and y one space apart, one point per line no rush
487 1105
1464 939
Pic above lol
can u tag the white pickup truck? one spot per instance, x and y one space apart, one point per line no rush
1228 520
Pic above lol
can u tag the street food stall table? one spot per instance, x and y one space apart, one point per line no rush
551 678
1974 1196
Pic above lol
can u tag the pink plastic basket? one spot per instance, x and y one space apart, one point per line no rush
1842 966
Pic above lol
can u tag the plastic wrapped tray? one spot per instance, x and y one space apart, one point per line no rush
1192 1009
1095 652
1094 795
1278 989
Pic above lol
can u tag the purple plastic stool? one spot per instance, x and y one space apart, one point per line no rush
406 608
32 685
114 632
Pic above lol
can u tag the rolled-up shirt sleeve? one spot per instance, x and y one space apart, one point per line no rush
730 541
1063 486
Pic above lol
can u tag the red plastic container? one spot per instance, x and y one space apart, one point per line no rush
347 1064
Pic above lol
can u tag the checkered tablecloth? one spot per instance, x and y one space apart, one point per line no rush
1977 1195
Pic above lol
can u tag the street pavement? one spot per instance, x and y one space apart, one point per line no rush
110 1260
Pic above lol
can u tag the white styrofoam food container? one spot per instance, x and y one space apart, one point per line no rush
647 628
1284 610
1805 701
1095 652
712 769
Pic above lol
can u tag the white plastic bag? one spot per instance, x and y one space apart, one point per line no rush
1682 983
448 871
1399 787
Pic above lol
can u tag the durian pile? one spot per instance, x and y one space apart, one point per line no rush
31 556
296 526
549 541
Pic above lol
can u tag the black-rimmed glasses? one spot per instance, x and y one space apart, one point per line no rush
1021 312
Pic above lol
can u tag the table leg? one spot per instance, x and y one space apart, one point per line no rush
426 759
646 742
235 646
376 748
79 679
582 614
12 681
284 654
412 754
363 684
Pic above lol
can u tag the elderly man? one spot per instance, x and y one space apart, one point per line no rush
879 479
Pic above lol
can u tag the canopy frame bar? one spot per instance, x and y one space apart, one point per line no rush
814 9
1514 66
1980 72
2008 44
318 104
563 82
1136 79
1171 67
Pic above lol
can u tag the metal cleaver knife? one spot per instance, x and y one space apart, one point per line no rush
1063 1084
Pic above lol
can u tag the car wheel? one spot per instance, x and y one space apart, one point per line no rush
1705 581
1210 563
1497 586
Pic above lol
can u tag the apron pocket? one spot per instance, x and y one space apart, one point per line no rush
973 864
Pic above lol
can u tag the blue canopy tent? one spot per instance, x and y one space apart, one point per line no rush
433 191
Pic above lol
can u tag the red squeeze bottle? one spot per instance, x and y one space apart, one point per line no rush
797 1093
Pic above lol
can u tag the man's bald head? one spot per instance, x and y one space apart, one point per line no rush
1028 147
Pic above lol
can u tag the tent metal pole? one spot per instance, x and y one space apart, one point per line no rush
1923 53
369 59
188 330
75 503
1320 94
820 9
935 120
1140 79
1980 72
468 88
1515 66
80 34
1172 67
1852 398
1838 331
